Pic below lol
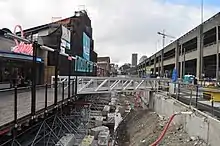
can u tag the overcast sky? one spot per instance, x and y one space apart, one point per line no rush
120 27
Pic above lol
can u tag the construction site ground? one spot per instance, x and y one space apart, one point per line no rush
141 127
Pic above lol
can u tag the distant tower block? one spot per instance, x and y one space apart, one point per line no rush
134 59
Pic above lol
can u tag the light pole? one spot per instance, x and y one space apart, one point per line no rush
201 43
162 54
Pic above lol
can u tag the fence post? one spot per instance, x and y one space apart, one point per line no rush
45 97
73 84
33 92
212 106
190 102
197 94
63 84
178 95
168 83
76 86
56 76
15 105
69 84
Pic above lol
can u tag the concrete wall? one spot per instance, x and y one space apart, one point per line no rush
198 124
169 61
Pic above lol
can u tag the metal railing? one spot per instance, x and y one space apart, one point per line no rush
198 96
93 85
17 103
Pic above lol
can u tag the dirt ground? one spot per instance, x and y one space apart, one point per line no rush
142 127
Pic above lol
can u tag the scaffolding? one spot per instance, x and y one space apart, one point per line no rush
68 122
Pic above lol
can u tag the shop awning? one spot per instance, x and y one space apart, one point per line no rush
18 56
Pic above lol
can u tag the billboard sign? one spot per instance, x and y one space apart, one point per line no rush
86 47
21 47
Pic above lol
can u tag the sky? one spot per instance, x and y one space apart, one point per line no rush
120 27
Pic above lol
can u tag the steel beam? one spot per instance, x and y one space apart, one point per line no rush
111 88
139 85
101 84
86 85
128 84
113 83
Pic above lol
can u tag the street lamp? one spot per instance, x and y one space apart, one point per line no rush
164 36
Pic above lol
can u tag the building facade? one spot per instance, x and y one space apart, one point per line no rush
195 53
143 58
16 62
134 59
104 66
81 44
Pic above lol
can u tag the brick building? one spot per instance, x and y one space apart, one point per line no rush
104 66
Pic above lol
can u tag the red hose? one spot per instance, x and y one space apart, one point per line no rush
163 132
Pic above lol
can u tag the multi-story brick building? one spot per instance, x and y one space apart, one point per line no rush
104 66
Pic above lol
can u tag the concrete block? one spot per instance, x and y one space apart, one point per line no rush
87 141
103 138
106 110
67 140
95 131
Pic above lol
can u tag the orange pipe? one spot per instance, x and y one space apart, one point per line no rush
164 131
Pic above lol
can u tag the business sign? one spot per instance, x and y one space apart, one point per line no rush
82 65
86 47
65 40
21 47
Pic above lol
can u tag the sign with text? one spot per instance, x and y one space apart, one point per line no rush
82 65
86 47
65 40
21 47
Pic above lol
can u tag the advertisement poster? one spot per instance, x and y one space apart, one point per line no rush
86 47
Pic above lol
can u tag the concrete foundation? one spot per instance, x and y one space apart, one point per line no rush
198 124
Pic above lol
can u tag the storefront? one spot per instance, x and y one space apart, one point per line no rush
13 64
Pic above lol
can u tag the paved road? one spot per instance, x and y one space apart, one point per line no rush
24 104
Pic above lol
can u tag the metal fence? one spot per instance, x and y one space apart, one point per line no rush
198 96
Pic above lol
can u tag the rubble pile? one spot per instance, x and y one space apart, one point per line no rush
142 127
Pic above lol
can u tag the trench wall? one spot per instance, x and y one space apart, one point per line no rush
198 124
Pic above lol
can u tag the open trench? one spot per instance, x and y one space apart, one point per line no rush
141 127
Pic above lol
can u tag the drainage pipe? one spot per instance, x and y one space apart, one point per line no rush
167 126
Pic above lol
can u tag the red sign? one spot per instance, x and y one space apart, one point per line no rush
22 47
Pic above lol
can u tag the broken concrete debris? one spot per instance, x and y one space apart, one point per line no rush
142 127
